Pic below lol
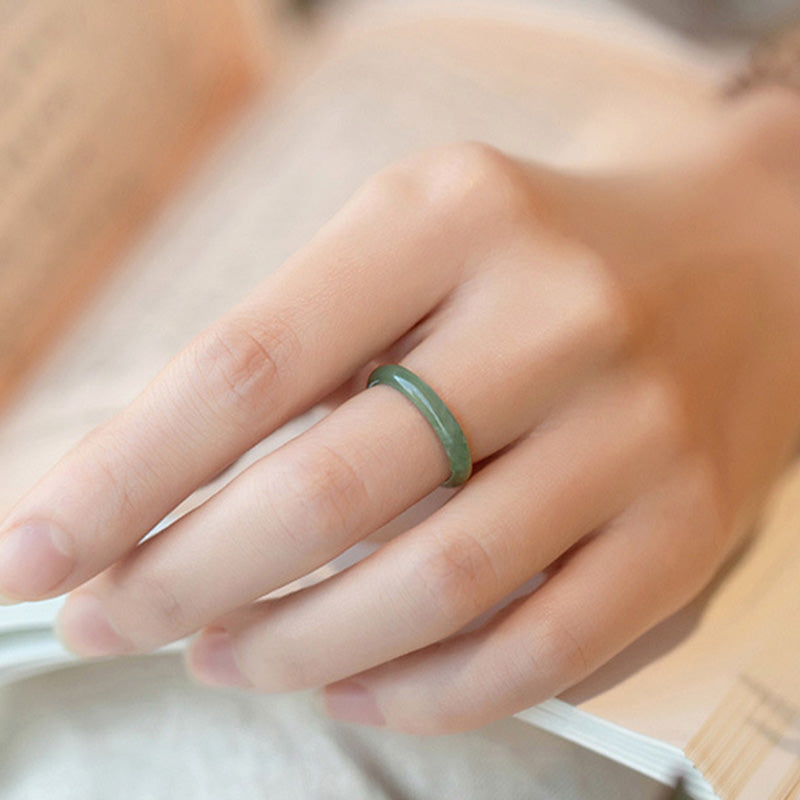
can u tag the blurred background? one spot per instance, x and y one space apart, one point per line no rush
699 18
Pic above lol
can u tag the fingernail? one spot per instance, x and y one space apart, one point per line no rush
7 601
84 627
349 701
212 661
33 559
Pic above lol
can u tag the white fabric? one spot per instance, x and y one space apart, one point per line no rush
137 729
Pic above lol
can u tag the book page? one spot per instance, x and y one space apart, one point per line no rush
102 106
719 679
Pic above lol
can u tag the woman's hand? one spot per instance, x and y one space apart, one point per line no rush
622 352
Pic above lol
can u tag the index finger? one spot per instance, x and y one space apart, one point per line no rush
391 255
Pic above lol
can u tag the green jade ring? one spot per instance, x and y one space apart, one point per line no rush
435 411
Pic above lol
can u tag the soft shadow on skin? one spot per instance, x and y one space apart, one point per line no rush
657 641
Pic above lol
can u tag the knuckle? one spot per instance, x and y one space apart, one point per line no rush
652 407
115 466
394 187
457 573
708 530
476 182
239 364
148 611
115 486
467 183
281 665
283 674
319 490
597 310
556 654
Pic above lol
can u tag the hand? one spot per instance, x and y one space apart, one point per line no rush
622 353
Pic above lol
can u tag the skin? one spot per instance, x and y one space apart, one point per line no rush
621 349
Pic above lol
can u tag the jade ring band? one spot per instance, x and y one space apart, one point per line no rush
435 411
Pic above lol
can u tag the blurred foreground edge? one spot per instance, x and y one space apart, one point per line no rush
103 107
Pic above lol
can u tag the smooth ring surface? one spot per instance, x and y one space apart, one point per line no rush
435 411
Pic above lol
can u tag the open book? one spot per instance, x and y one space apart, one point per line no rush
714 692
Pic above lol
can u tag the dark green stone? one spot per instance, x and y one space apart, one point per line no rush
436 412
